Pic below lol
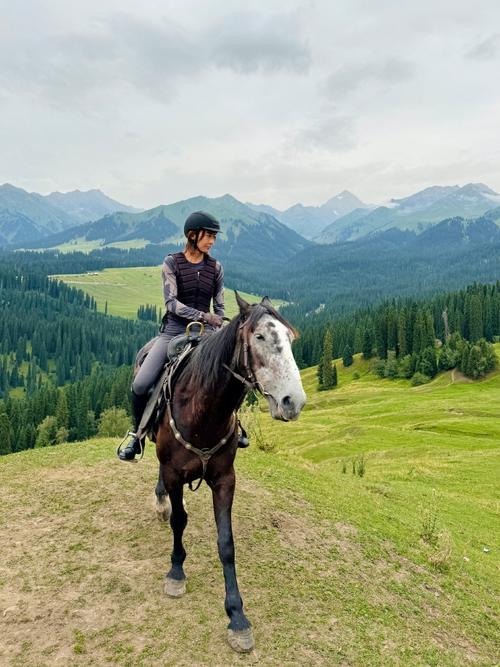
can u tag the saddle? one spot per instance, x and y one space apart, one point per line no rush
178 351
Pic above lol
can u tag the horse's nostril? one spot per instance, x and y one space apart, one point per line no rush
286 402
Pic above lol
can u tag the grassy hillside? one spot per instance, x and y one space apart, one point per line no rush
126 289
82 245
395 567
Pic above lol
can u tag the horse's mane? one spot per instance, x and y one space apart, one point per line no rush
205 363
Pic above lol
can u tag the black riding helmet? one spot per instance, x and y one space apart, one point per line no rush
200 220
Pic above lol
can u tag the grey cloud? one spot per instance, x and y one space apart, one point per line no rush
388 72
487 49
250 42
333 133
120 50
126 53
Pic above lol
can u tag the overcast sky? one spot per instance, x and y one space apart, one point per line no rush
275 102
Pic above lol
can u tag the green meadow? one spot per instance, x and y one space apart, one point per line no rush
367 533
126 289
82 245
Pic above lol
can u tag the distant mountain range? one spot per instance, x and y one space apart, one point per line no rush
36 221
87 206
417 212
309 221
28 216
451 254
246 234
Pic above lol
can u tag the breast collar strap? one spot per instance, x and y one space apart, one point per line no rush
203 454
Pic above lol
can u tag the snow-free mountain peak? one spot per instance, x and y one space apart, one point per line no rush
418 212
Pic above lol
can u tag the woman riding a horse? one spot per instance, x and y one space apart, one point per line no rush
191 280
197 434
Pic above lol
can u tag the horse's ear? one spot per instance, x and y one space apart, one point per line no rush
266 301
242 304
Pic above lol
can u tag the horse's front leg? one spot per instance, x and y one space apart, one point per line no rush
240 635
175 583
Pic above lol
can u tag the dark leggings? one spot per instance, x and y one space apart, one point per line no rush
152 366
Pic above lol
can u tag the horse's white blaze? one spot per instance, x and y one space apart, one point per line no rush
275 368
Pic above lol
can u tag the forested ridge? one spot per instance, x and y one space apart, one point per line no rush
63 362
59 356
411 335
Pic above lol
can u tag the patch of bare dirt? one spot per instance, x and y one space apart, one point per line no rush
457 377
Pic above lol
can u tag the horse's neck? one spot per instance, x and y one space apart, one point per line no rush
200 411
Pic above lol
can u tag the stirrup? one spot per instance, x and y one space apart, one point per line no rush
131 434
243 441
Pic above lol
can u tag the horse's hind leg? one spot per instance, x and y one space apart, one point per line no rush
175 583
163 508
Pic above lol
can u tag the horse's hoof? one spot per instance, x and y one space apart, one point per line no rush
241 640
175 588
163 508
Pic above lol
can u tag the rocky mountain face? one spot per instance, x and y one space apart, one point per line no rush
87 206
416 212
309 221
28 216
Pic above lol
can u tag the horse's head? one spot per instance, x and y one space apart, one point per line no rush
268 337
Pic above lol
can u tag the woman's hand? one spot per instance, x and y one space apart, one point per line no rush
213 319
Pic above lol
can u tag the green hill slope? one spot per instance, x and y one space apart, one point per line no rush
333 567
126 289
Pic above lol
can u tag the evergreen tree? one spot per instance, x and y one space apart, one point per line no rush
334 376
419 333
297 353
429 332
319 373
326 362
5 434
62 410
447 358
428 362
474 365
367 344
402 348
347 359
381 336
474 319
358 339
464 357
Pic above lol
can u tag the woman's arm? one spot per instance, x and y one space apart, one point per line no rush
219 290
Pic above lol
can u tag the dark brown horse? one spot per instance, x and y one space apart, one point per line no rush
198 434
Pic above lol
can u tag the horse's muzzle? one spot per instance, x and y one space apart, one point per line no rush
288 408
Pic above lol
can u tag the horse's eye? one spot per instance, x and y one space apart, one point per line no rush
259 337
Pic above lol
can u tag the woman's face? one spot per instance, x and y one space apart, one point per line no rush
206 240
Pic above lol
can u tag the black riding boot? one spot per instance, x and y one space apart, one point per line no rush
134 446
243 441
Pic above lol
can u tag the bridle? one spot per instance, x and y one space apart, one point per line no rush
242 351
